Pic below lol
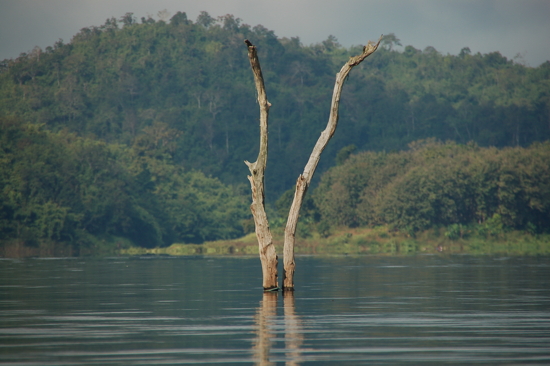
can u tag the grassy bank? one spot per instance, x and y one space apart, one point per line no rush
360 241
380 241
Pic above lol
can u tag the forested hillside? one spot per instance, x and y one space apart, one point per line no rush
58 187
112 81
134 120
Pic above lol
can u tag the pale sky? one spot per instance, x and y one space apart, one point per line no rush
512 27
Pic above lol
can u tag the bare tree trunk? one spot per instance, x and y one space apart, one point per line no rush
268 256
304 179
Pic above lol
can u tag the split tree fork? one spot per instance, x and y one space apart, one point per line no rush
268 256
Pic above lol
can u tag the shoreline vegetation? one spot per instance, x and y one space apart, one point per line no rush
360 241
372 241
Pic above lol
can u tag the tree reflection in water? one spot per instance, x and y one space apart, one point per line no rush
266 329
265 319
294 335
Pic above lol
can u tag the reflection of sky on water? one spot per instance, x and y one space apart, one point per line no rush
364 310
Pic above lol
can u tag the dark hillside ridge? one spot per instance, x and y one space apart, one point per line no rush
112 81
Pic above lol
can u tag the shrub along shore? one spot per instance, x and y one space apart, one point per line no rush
381 240
374 241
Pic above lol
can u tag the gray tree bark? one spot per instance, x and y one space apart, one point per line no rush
303 181
268 256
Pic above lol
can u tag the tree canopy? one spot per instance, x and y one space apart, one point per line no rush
112 81
139 128
57 186
440 184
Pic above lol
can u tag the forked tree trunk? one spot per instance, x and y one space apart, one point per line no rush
268 256
257 169
302 184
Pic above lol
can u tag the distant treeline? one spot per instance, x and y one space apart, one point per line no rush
139 129
58 187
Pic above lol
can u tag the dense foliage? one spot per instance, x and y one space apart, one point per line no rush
125 125
112 81
434 184
59 187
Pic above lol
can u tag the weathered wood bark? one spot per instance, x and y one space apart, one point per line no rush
268 256
304 179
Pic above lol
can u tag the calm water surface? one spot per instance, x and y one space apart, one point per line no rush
368 310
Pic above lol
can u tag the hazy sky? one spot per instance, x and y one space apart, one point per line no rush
510 26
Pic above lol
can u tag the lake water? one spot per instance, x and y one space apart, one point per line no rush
418 310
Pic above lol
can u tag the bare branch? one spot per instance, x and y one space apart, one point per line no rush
304 179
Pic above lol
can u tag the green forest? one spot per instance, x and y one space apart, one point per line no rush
447 185
135 132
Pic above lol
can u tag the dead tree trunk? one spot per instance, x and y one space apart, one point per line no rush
268 256
302 184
